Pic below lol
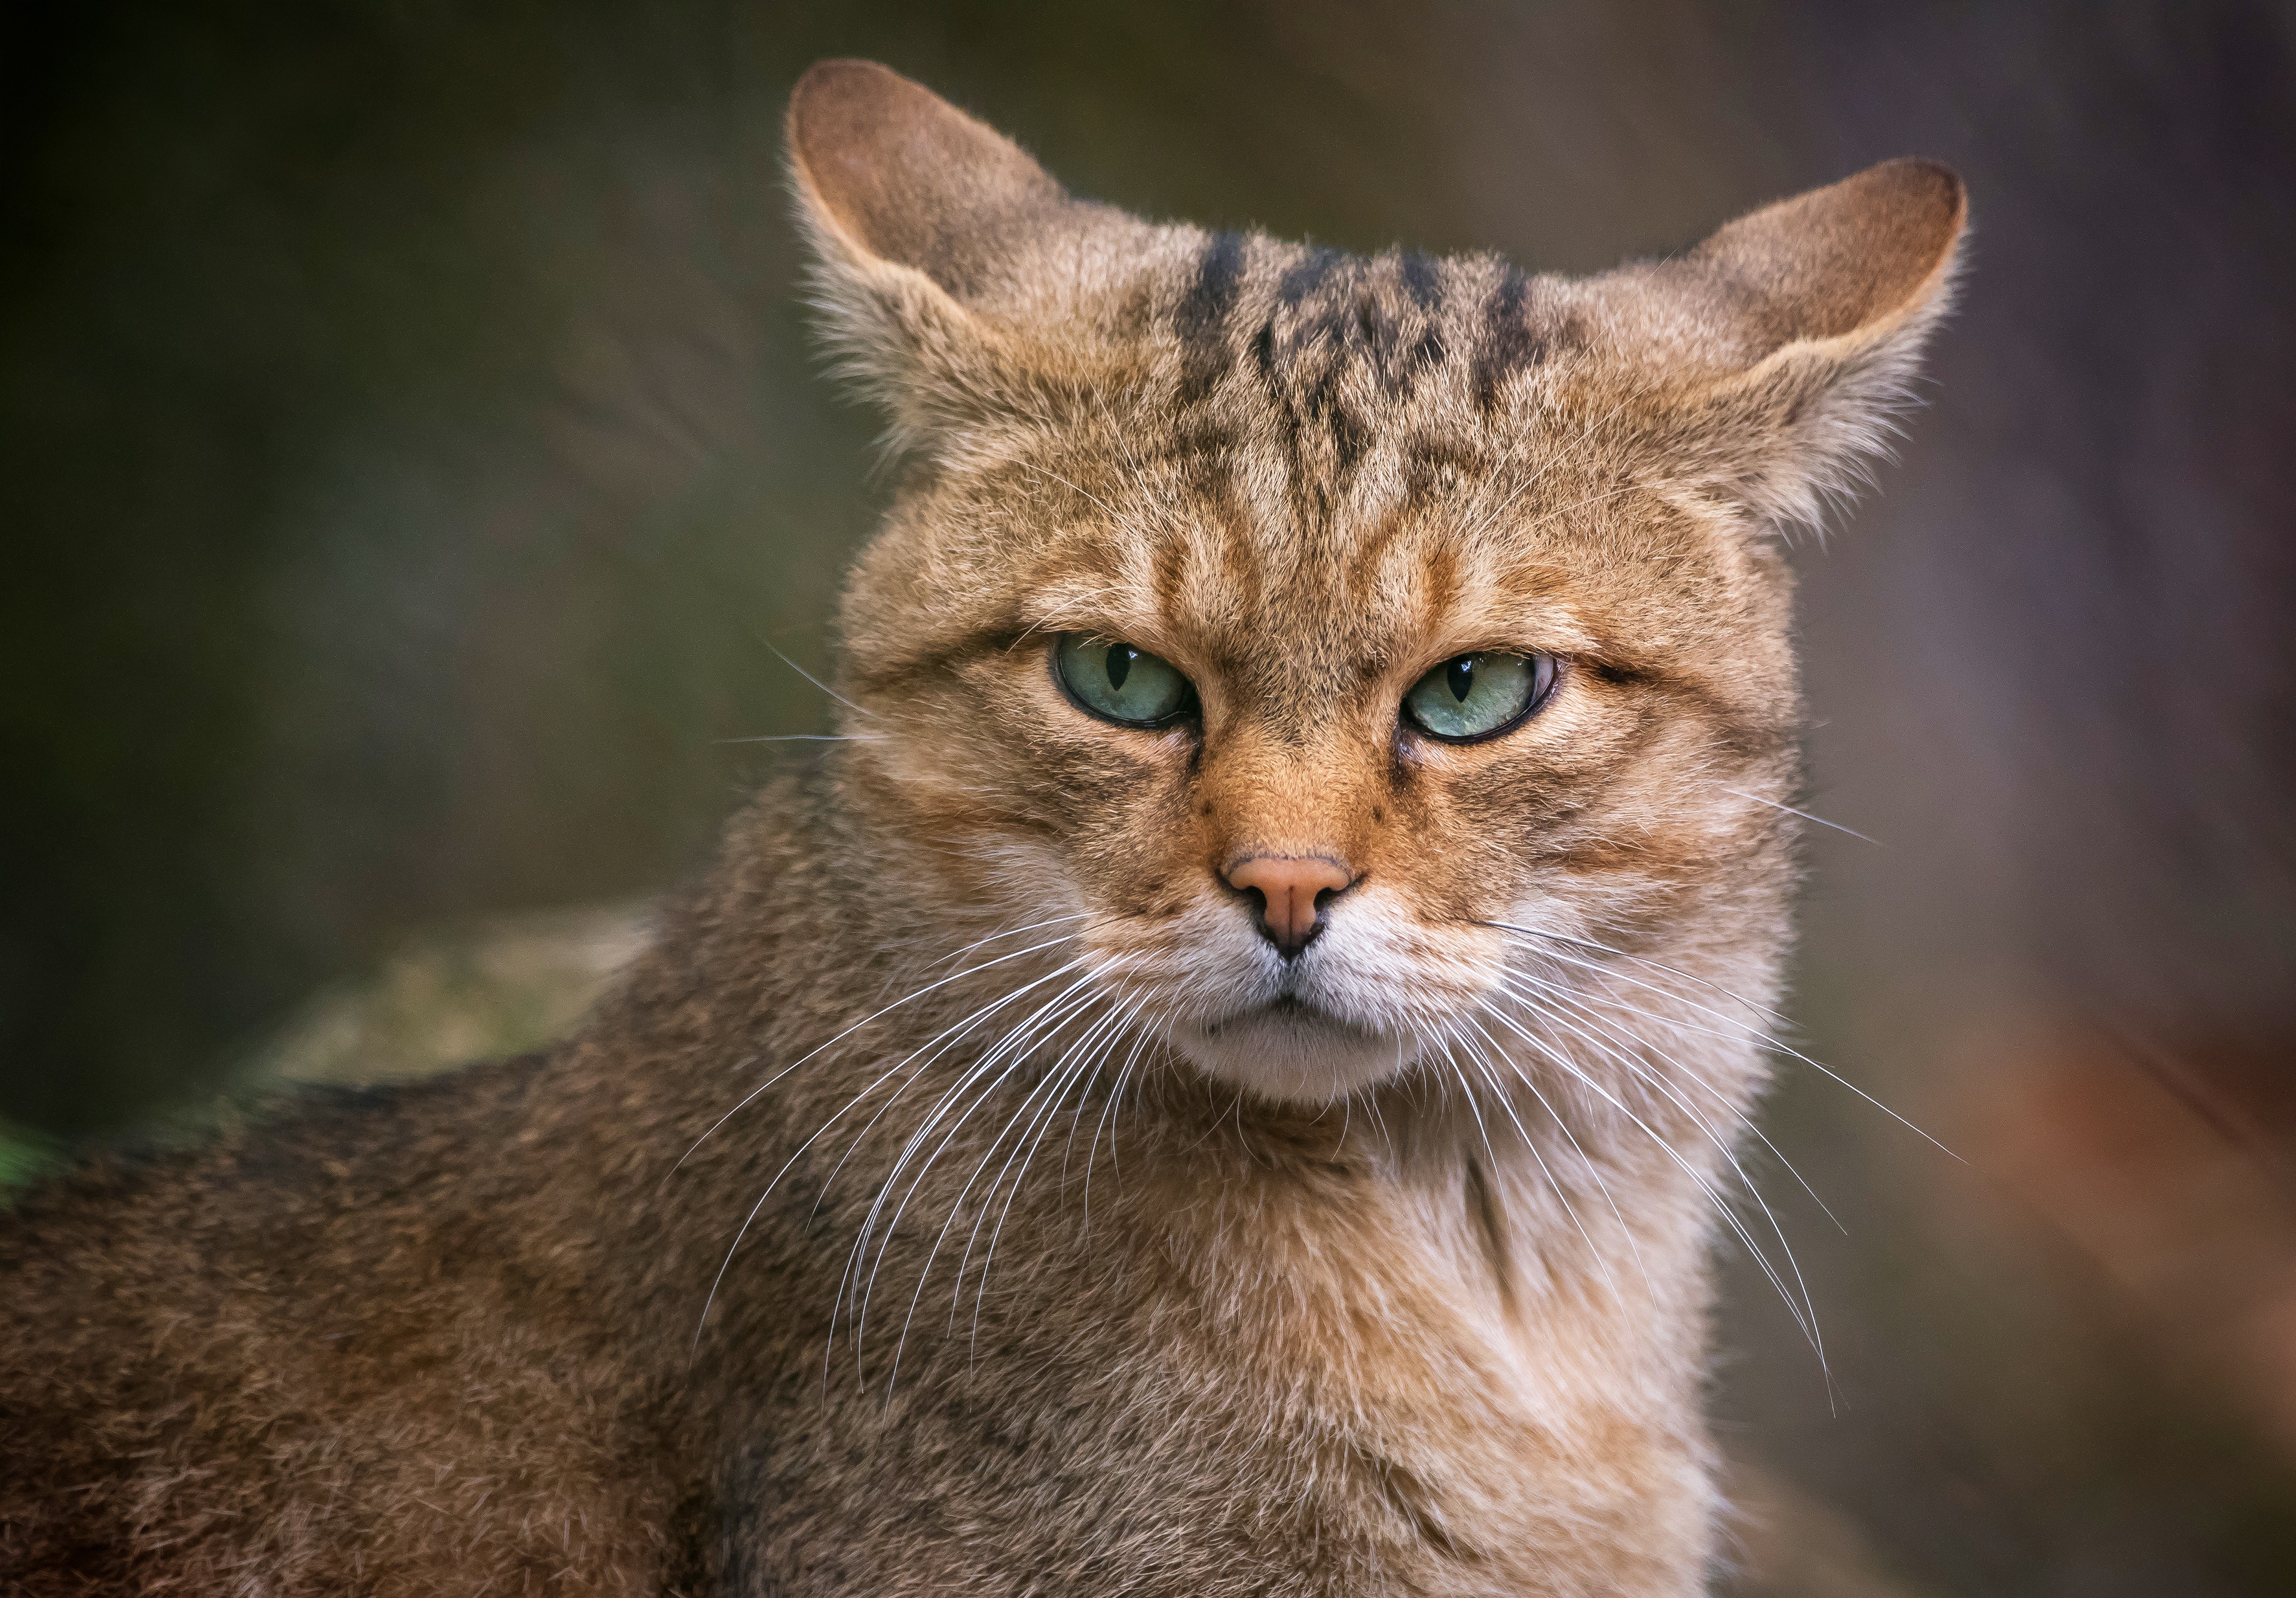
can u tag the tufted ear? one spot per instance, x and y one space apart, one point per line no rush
943 250
1786 340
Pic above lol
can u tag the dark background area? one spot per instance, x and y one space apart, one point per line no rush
410 447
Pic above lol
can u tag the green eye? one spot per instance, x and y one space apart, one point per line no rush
1474 697
1120 683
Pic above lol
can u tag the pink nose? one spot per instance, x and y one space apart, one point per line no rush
1292 890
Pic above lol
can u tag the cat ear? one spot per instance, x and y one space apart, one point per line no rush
932 233
1787 340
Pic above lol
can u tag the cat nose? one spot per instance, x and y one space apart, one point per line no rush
1290 892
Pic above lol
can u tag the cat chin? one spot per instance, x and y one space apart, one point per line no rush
1292 1054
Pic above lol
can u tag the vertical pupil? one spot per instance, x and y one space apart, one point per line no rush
1461 675
1119 664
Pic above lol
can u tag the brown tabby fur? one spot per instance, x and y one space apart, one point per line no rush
1354 1274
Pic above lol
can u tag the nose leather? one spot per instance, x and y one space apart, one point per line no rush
1292 890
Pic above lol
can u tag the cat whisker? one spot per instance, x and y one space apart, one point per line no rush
1020 1035
1123 522
1804 1311
1592 1169
1379 1120
1146 998
1056 1080
1048 1017
998 1064
816 681
1578 505
1485 1068
1486 481
955 1035
715 1281
1044 1122
1604 948
1047 618
1443 1036
1562 994
1754 1033
1555 460
1713 1196
1769 1043
1015 932
1626 1059
908 998
1805 814
1115 1099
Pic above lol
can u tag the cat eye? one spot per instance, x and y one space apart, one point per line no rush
1120 683
1469 698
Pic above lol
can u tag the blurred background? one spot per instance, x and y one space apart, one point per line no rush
412 457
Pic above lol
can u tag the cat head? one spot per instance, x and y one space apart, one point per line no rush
1294 636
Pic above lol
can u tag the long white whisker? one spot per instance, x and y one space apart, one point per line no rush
1634 1067
954 1035
1551 462
1119 518
1013 1052
1017 1037
1586 1008
750 1218
1033 926
1604 948
1051 615
1443 1036
1115 1098
1721 1206
1484 1068
1056 1078
1055 1074
1806 816
954 977
1044 1121
1084 1099
1491 1074
1755 1033
816 681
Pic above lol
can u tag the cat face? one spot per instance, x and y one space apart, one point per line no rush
1300 636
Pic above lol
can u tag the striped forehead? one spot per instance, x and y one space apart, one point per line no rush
1294 492
1323 348
1209 566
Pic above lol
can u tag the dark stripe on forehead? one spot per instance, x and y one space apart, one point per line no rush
1507 343
1385 324
1306 275
1201 319
1420 280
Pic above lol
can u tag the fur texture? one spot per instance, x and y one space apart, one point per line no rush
963 1196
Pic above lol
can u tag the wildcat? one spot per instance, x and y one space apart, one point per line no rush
1223 1082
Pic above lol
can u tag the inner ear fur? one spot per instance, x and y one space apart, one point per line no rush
946 259
1847 261
898 175
1789 337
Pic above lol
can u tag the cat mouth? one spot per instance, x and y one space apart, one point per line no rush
1293 1050
1284 1009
